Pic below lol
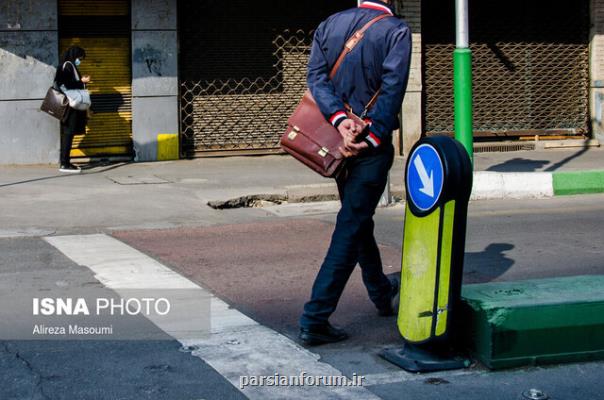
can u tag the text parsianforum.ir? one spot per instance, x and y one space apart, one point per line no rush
303 379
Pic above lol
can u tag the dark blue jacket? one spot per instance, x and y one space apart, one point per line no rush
380 60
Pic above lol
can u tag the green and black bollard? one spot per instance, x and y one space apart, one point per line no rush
438 183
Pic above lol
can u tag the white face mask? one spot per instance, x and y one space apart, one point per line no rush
77 62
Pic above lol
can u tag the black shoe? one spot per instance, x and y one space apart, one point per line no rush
322 334
72 169
392 307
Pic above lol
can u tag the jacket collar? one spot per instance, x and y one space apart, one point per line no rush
377 5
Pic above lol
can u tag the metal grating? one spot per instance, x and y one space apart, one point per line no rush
530 65
243 70
501 147
94 7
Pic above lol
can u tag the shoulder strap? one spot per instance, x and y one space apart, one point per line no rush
75 70
353 41
371 102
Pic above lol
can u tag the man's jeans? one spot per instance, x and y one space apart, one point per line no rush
353 241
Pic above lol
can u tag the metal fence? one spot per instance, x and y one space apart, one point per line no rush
246 114
530 66
243 71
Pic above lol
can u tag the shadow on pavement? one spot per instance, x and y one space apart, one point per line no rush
559 164
487 265
84 169
519 165
527 165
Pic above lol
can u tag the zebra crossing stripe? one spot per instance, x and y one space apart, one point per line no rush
238 346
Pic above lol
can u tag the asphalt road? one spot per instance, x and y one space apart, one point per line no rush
523 239
263 265
89 369
266 269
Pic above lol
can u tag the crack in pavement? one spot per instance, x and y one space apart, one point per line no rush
39 378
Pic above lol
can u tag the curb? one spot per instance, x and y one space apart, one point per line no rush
535 321
581 182
535 185
327 192
511 185
487 186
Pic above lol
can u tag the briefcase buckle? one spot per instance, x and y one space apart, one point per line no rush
293 133
323 152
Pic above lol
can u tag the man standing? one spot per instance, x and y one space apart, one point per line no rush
379 62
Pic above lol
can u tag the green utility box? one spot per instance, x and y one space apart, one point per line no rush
544 321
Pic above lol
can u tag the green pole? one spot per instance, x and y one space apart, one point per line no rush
462 79
462 67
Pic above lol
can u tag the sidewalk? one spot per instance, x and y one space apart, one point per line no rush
538 174
520 174
176 193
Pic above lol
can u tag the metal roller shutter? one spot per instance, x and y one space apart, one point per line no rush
93 7
530 63
102 28
243 70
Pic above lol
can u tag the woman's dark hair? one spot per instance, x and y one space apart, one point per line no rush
72 53
69 55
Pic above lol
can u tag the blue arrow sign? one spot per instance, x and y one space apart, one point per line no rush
425 176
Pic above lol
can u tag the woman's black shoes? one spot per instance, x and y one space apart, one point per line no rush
322 334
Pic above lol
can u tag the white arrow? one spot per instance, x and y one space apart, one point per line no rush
427 181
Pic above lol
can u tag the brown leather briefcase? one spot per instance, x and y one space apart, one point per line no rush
309 137
313 140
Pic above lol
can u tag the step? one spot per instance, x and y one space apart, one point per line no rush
542 321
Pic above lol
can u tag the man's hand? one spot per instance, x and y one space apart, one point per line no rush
86 79
348 127
349 131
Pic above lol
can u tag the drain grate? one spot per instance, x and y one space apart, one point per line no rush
499 147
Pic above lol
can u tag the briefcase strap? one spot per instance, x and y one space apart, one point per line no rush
353 41
351 44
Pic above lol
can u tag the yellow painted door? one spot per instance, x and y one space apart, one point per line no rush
102 29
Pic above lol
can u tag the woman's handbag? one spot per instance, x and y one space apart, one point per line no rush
79 99
55 103
309 137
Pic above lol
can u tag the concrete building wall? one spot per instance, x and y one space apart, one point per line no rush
29 54
154 75
597 68
411 116
28 57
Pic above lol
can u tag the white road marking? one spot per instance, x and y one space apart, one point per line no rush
238 346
